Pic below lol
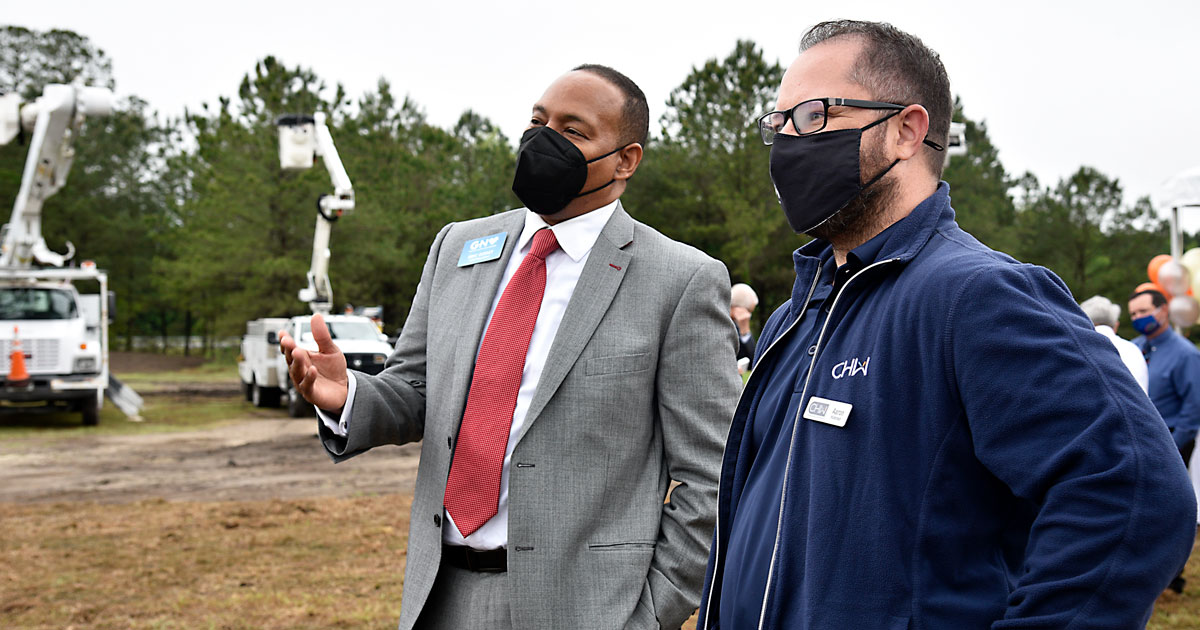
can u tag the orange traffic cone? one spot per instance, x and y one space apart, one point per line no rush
18 376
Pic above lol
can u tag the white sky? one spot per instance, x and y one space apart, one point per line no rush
1060 84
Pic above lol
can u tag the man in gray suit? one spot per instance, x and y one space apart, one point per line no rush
564 366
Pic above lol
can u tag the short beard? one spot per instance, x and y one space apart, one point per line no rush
862 217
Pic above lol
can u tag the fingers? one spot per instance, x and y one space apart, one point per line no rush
321 335
286 345
299 365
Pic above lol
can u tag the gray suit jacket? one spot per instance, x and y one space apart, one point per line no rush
637 392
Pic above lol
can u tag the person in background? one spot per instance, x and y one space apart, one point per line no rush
1105 316
1174 366
742 302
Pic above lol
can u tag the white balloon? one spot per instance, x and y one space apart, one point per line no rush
1173 277
1183 310
1191 261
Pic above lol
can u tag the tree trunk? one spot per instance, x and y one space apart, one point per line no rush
187 332
162 328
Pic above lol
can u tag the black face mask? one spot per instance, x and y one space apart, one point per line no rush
816 176
551 171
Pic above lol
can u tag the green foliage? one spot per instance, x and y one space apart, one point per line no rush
200 230
1082 230
31 59
112 208
245 239
706 181
979 188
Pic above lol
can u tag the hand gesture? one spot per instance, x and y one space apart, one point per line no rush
319 376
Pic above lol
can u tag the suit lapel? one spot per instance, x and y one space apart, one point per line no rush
602 275
477 303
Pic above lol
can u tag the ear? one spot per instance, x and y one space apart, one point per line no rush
628 160
913 122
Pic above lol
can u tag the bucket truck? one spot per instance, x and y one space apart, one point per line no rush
261 367
53 338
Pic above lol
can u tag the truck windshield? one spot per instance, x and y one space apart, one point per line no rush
344 330
36 303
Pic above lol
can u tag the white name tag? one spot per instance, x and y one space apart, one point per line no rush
827 411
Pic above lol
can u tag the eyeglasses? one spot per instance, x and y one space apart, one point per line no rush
811 116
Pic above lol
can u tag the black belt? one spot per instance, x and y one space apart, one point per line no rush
490 561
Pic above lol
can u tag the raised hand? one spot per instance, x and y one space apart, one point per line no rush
319 376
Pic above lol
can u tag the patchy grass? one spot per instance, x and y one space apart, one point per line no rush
180 399
315 563
212 372
161 413
312 563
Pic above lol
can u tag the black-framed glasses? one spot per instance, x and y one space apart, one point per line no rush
811 116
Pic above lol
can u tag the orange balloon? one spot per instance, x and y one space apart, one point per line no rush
1155 263
1150 286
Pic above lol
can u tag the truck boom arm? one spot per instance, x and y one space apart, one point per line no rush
301 140
55 119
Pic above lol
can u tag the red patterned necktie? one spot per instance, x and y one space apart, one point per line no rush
473 489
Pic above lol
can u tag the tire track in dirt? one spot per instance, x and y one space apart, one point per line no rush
249 460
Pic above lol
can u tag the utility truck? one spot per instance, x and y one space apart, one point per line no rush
53 338
261 366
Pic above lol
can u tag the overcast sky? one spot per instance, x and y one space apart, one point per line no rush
1060 84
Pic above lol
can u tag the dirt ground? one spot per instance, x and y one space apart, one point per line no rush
250 459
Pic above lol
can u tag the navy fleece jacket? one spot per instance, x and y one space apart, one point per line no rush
999 467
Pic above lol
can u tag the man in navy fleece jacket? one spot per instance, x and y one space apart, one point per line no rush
934 436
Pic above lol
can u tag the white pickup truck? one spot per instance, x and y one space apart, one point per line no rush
263 370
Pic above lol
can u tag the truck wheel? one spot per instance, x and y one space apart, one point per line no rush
91 414
264 396
246 390
296 405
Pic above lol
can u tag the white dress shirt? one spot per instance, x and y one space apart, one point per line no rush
1131 356
563 267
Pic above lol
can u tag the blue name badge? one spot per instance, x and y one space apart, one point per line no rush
482 249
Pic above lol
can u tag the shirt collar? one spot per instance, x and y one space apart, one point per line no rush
868 252
575 236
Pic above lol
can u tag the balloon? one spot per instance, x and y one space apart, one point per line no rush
1191 261
1155 263
1173 277
1183 310
1150 286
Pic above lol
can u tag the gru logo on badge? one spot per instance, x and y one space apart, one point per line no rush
850 367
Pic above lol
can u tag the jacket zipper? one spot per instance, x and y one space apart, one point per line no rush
762 615
724 451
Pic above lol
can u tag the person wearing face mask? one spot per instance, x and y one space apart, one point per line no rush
1174 364
1105 315
570 373
934 437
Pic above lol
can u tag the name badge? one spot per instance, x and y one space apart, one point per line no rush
827 411
482 249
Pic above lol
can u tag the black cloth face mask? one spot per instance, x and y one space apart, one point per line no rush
815 176
551 171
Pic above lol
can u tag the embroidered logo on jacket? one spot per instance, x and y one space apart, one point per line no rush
850 367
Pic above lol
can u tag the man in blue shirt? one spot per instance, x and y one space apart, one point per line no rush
1174 364
934 436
